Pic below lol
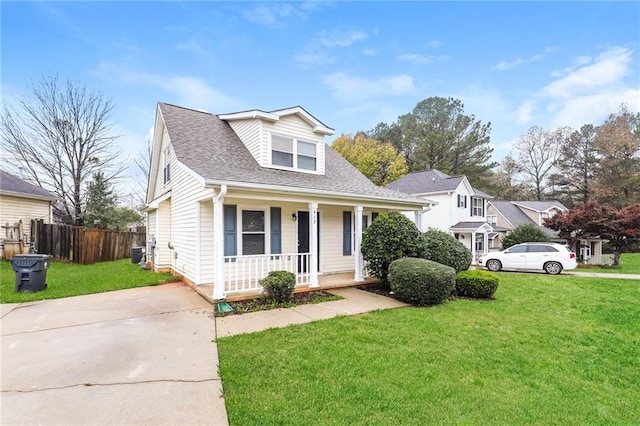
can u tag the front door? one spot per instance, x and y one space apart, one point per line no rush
304 238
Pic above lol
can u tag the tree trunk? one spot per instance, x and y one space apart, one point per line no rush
616 257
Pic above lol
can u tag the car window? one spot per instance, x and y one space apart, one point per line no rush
540 249
517 249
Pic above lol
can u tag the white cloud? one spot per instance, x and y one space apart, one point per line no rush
506 65
354 89
523 114
593 108
415 57
369 52
188 91
273 15
319 50
608 68
434 44
190 46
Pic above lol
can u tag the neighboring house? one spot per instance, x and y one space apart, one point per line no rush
234 196
506 215
460 209
20 201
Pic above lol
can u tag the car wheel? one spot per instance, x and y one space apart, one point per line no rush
494 265
553 268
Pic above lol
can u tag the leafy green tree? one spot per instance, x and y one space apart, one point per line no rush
390 237
525 233
122 217
101 203
378 161
617 143
577 164
437 134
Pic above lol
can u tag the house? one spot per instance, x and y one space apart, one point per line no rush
460 208
234 196
506 215
20 202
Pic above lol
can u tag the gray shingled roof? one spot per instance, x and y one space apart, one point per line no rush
541 205
513 214
468 225
16 186
428 182
209 146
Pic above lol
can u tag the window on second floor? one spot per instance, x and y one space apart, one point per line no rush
492 219
477 206
293 153
167 167
462 201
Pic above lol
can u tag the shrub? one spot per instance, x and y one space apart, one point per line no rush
279 286
525 233
443 248
477 284
421 282
390 237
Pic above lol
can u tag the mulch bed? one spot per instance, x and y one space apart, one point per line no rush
262 304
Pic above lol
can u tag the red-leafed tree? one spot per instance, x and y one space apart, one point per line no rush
592 219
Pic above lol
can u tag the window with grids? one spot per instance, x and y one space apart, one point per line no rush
253 234
478 207
462 201
293 153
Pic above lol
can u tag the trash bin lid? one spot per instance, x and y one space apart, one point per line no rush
28 260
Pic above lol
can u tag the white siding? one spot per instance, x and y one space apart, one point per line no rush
13 209
249 133
207 262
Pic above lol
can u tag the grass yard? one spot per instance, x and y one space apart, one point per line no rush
548 350
70 279
629 264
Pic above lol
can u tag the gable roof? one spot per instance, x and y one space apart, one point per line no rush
208 146
429 182
540 206
13 185
274 116
510 210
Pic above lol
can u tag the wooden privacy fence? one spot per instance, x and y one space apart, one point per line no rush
97 245
83 245
52 239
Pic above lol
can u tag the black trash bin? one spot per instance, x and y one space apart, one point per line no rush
136 254
31 272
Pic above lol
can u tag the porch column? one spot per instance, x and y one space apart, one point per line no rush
218 243
485 243
473 247
313 233
198 247
359 272
418 217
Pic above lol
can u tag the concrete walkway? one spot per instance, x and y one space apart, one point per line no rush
603 275
129 357
354 302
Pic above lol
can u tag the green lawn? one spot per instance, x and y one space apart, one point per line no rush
70 279
629 264
548 350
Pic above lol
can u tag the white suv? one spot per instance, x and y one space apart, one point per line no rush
549 257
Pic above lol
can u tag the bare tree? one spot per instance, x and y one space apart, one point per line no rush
60 138
536 153
143 162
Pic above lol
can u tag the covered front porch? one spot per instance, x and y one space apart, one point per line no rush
474 236
325 282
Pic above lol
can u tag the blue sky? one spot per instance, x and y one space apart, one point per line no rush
350 64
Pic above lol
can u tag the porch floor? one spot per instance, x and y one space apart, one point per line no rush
325 282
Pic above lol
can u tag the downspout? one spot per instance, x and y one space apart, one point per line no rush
218 238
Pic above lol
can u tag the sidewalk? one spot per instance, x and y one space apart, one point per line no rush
604 275
354 302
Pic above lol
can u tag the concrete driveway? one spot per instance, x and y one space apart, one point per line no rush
139 356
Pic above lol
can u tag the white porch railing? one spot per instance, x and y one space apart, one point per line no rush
243 273
605 259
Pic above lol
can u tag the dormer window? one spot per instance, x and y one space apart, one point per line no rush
288 152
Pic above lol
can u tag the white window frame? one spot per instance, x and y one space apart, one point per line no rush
166 170
295 153
240 232
492 219
476 208
462 201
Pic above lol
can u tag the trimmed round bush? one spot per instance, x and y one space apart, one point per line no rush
525 233
390 237
421 282
476 284
279 286
443 248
